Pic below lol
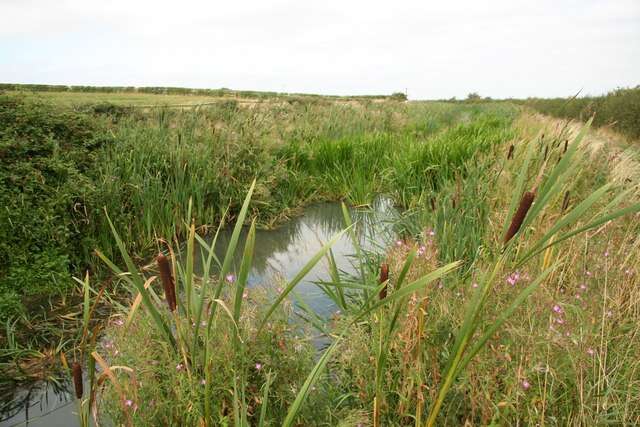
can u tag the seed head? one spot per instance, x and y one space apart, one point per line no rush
384 276
167 281
510 153
519 216
76 371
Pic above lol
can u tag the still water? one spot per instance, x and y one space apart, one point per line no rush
279 254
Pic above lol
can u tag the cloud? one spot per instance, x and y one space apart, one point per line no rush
434 49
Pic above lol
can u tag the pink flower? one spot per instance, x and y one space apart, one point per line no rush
525 384
590 351
179 367
557 309
589 274
203 381
606 253
230 277
474 285
258 366
118 322
560 320
398 243
583 287
431 233
128 402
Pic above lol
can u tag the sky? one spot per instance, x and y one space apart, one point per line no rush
431 49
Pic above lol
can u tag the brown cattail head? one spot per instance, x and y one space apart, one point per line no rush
76 371
521 213
167 281
565 202
510 153
384 276
566 145
433 204
546 151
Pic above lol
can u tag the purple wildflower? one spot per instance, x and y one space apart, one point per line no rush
230 277
557 309
525 385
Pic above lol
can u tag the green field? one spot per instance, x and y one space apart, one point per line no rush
511 295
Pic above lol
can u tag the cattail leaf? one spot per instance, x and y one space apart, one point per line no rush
301 274
504 315
245 267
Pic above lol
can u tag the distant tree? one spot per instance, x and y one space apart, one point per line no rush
473 96
398 96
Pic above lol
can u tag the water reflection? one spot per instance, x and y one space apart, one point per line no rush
283 252
279 254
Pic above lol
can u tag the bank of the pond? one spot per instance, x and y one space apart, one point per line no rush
279 255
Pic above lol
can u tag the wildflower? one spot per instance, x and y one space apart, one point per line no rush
590 351
279 290
559 320
128 402
578 296
474 285
118 322
179 367
167 281
557 309
606 253
589 273
421 250
513 278
525 384
258 366
203 381
609 313
231 278
76 372
583 287
519 216
398 243
431 232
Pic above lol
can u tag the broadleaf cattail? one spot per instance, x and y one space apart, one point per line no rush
546 151
510 153
566 145
518 217
384 276
433 204
167 281
76 371
565 202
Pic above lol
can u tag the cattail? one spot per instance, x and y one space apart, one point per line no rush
384 276
565 202
566 145
546 151
510 153
433 204
521 213
76 371
167 281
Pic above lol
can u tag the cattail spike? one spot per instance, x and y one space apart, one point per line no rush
384 276
167 281
521 213
76 371
510 153
565 202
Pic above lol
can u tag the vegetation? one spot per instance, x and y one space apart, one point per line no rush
509 298
619 109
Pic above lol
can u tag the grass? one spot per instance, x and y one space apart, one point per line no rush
528 333
495 311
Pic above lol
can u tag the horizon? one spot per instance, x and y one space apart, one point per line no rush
431 51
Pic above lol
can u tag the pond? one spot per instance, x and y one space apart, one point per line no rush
279 254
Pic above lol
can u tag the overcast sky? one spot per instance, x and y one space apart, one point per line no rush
433 49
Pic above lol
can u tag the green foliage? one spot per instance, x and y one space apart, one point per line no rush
45 159
619 109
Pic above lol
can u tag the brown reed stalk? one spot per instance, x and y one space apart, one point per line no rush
167 281
519 216
510 153
76 371
384 276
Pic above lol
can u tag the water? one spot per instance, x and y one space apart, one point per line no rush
279 254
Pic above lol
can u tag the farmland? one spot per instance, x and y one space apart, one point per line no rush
508 293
